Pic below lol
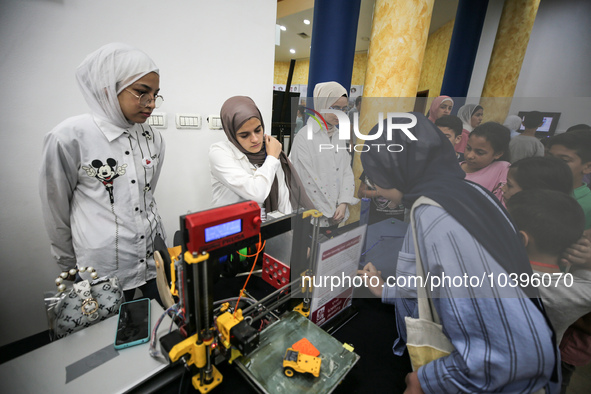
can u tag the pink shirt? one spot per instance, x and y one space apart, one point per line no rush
491 177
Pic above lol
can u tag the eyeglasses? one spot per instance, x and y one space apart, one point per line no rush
344 109
145 99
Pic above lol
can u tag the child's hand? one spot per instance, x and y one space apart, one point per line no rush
367 272
578 253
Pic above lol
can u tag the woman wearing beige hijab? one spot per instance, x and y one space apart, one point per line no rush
251 165
326 173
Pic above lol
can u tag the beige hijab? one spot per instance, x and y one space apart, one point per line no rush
325 95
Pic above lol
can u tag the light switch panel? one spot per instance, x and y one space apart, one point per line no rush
215 122
158 120
188 121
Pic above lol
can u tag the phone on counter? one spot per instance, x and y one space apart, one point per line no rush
133 326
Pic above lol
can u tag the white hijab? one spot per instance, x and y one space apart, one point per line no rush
325 95
465 114
106 72
513 122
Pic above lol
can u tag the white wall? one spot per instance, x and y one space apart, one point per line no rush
207 51
558 57
557 63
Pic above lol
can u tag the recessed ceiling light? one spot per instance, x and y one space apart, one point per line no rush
364 38
306 22
283 28
292 51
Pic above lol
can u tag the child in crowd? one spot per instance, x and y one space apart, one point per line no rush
380 208
585 127
574 148
526 144
486 157
549 222
451 127
538 173
577 127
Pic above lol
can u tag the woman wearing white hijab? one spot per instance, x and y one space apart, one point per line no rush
99 172
326 172
471 116
513 123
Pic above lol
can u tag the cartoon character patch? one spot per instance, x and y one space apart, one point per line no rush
106 173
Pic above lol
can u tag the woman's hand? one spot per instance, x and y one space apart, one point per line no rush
339 214
413 385
272 146
374 286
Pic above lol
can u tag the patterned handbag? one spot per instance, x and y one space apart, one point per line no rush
82 305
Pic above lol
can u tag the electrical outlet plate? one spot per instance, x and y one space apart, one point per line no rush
157 120
215 122
188 121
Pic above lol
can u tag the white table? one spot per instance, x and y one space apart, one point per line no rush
60 366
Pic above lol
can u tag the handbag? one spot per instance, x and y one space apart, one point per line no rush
425 339
83 304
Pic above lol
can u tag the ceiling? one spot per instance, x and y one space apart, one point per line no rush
443 12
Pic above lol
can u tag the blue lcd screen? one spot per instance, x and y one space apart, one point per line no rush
223 230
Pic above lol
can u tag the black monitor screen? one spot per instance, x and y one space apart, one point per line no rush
548 127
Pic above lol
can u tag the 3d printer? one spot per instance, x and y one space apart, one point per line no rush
211 335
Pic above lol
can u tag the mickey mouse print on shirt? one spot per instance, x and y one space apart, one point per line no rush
106 173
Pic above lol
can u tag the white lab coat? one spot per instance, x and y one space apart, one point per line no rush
235 179
326 175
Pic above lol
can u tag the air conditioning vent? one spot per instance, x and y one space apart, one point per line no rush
303 35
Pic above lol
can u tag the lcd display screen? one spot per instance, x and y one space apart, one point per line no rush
548 126
545 127
223 230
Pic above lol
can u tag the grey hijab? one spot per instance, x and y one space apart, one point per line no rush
234 113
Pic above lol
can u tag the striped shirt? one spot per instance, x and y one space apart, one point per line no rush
502 341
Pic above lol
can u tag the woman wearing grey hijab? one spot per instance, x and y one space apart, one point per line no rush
251 165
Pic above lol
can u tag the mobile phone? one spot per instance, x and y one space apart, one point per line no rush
133 326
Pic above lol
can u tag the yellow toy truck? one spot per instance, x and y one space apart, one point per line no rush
296 361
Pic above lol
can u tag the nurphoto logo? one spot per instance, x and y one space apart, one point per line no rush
345 130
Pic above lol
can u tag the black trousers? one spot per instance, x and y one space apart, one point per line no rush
149 290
